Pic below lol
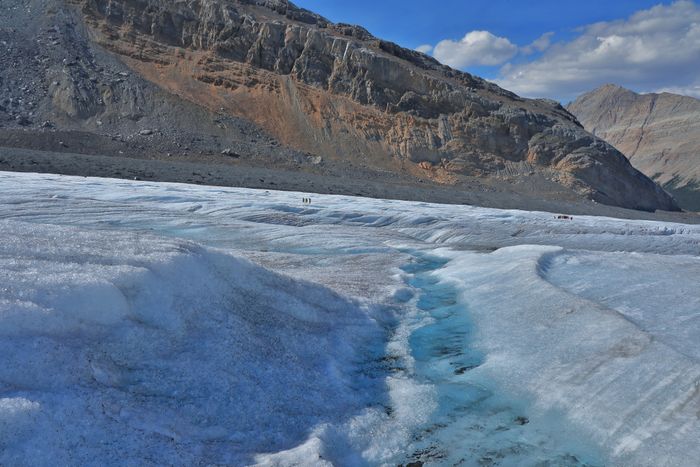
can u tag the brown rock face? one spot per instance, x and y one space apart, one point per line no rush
659 133
336 91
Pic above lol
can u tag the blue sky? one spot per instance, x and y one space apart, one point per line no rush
507 27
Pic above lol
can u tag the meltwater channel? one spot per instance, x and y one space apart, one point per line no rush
472 425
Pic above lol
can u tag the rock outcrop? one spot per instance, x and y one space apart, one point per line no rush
659 133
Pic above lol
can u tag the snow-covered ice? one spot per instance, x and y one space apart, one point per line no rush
150 324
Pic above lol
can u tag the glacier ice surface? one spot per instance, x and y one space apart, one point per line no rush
150 324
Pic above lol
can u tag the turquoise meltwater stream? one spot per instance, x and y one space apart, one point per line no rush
472 425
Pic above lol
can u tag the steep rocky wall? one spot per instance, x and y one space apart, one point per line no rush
337 91
60 91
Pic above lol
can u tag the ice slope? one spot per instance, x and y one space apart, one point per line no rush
122 348
659 294
455 335
628 387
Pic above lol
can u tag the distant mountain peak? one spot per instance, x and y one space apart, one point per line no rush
659 133
611 87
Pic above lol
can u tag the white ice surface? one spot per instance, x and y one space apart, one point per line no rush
126 346
133 333
627 387
659 294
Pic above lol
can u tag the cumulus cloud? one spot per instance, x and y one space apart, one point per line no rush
654 49
476 48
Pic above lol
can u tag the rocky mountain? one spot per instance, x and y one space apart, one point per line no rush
659 133
282 86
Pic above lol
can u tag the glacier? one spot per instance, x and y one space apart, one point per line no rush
166 324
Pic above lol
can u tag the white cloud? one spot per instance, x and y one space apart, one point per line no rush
654 49
540 44
426 48
476 48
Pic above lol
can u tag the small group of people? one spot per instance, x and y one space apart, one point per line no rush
306 200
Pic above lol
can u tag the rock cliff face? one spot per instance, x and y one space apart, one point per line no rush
336 91
278 85
659 133
59 91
